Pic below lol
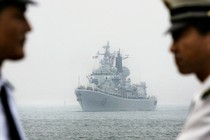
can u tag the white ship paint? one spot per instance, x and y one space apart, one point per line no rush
110 89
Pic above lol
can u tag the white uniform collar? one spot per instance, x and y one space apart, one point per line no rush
2 81
5 82
205 86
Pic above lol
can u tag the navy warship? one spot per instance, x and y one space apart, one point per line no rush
110 88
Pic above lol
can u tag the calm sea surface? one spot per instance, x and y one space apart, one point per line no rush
67 123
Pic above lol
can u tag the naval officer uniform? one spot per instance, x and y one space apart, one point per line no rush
197 126
185 13
11 11
9 131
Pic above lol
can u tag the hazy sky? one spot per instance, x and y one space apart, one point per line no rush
67 33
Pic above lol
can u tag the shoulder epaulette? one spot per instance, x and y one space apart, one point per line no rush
206 94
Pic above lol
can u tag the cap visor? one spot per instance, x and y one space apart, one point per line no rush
176 27
28 2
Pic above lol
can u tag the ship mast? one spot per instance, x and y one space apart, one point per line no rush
108 58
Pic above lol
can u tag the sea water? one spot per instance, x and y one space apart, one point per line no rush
65 123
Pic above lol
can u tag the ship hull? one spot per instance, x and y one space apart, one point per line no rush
95 101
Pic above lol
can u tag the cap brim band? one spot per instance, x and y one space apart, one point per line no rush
29 2
25 2
175 27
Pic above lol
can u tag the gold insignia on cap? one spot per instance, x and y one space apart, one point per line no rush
208 13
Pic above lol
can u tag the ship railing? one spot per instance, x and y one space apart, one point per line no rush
152 97
117 95
81 87
106 92
136 98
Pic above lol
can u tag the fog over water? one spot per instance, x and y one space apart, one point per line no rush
60 122
67 33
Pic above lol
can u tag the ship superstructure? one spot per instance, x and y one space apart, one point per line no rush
110 88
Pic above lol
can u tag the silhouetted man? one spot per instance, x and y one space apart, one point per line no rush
190 32
13 29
